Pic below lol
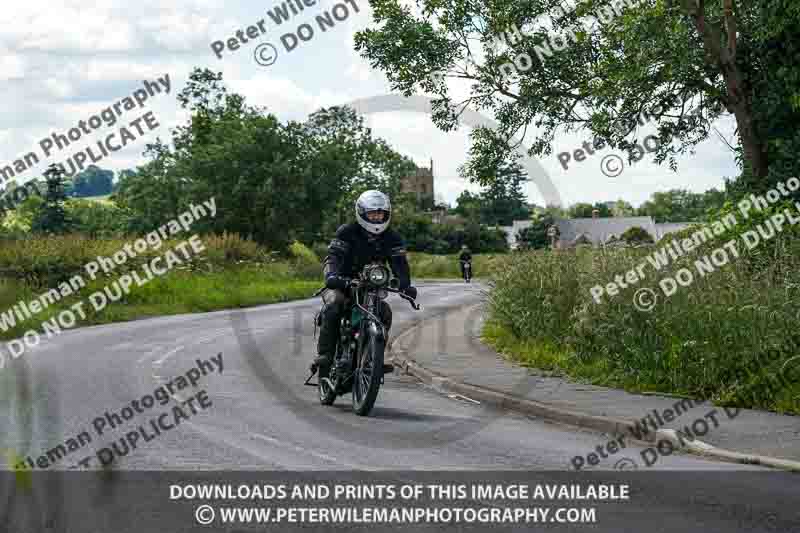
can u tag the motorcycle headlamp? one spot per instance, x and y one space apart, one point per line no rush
379 275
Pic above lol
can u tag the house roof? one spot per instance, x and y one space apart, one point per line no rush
600 230
670 227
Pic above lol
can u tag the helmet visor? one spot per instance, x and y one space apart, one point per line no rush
376 216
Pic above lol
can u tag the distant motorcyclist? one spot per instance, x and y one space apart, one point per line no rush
464 258
355 245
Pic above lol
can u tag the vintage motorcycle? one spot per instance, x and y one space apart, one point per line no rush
467 270
358 365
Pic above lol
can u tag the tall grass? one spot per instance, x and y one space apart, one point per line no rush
703 341
231 272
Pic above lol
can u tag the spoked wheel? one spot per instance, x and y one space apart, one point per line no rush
368 376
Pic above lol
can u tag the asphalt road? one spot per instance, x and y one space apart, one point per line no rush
261 416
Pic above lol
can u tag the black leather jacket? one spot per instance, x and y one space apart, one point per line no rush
353 247
465 256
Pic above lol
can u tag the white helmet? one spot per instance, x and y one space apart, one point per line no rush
373 202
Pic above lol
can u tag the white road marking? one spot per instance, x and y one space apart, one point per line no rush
461 397
302 450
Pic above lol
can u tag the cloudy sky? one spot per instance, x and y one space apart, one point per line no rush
64 61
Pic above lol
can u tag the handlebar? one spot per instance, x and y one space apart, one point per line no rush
407 298
354 283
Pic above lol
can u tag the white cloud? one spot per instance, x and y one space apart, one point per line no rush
58 88
94 31
179 31
119 69
12 67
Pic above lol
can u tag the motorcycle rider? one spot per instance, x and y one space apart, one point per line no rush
355 245
465 257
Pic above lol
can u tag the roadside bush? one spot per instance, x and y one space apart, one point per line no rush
49 260
232 248
97 219
45 260
302 253
305 262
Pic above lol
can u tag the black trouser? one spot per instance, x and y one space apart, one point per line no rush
331 314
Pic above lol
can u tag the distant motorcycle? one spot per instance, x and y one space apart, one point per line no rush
358 365
467 270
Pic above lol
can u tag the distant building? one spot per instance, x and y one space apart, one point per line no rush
511 231
665 228
419 184
596 231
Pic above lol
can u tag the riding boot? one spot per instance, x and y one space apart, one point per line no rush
329 319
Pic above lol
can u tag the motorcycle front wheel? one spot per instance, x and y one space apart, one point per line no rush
369 374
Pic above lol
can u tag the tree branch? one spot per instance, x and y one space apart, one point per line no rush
730 27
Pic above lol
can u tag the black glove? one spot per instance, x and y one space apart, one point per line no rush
411 292
336 283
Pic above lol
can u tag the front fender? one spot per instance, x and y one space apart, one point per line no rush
376 330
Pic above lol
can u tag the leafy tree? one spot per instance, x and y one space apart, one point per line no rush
503 201
584 210
636 235
468 205
272 182
500 202
621 208
678 205
684 63
93 181
53 218
535 236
